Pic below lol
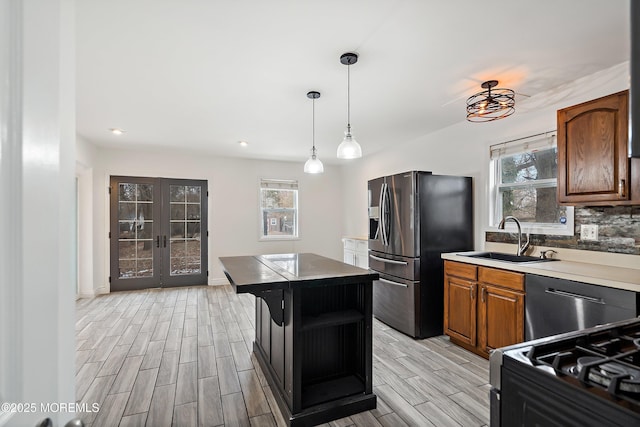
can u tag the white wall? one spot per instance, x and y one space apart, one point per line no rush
233 202
37 343
463 149
85 158
332 204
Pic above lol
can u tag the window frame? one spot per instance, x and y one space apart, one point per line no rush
534 143
278 184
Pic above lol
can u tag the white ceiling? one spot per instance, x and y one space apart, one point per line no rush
203 74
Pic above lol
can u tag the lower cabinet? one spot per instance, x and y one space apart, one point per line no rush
460 308
484 307
356 252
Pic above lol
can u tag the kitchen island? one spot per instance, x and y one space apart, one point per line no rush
313 336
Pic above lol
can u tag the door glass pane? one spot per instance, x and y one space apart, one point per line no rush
145 192
185 250
177 210
193 211
193 194
135 230
177 230
127 192
176 193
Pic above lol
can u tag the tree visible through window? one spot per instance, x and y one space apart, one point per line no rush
525 186
278 209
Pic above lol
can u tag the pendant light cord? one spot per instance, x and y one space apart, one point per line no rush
349 98
313 125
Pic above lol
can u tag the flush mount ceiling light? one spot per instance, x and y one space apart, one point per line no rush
313 165
243 143
117 131
491 104
349 147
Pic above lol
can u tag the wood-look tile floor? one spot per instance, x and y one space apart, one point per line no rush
182 357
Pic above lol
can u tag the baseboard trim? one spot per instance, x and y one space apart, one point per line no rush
104 289
85 295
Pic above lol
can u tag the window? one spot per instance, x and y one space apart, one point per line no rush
278 209
524 184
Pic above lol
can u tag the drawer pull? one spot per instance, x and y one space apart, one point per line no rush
394 283
390 261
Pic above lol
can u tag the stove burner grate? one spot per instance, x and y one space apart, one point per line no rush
607 373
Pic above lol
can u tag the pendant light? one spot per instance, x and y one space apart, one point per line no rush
349 147
489 105
313 165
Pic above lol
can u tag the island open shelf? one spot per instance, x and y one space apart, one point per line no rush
313 332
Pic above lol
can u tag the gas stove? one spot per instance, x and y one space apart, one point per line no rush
582 378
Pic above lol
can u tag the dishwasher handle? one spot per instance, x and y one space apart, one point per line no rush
574 295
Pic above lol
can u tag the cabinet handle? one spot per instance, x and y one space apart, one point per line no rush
471 292
482 294
621 188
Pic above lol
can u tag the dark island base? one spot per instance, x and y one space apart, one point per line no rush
313 332
318 414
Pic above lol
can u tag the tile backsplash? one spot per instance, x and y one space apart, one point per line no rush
619 231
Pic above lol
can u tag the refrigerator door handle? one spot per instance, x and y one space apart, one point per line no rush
385 214
394 283
381 214
390 261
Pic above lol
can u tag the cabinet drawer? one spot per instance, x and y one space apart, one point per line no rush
406 268
362 246
349 244
460 269
395 302
502 278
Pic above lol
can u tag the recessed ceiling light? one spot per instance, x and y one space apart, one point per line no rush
243 143
117 131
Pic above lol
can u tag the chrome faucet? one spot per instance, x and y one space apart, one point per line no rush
521 248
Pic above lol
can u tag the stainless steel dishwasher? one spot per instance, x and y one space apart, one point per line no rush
554 306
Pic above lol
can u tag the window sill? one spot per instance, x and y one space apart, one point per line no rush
277 239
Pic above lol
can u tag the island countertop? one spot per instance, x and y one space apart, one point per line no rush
248 274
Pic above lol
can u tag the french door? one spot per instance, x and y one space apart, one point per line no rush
158 232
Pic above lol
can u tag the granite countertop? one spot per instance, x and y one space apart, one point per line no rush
596 274
282 271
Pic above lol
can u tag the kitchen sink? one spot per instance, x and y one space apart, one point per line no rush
499 256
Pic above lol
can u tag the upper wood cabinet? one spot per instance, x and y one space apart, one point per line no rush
593 163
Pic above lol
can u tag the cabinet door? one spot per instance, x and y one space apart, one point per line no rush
592 150
349 257
500 317
362 254
460 309
362 260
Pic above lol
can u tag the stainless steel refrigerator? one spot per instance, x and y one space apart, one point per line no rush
413 218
